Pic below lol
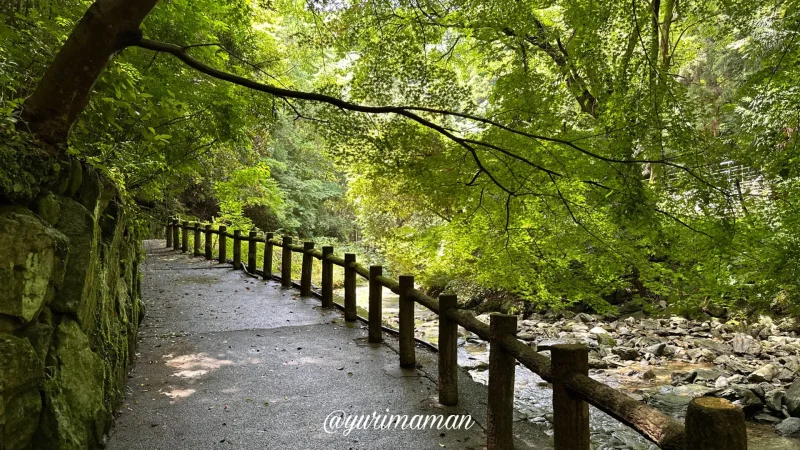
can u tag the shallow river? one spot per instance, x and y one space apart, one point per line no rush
534 396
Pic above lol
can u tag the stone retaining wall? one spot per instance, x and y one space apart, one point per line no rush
69 306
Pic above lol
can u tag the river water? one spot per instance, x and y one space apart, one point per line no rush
534 396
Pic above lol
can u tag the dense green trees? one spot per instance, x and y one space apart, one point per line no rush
565 151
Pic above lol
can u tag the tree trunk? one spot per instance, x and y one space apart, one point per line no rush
107 27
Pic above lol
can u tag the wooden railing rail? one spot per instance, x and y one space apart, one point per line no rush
714 424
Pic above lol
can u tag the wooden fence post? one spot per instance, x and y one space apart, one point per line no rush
286 263
268 250
185 236
350 314
196 227
209 248
175 236
168 234
448 351
308 266
715 424
237 249
500 411
251 251
408 357
327 278
223 244
570 414
375 305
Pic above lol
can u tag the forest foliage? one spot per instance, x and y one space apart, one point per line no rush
603 150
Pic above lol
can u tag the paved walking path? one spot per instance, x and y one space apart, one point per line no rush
228 361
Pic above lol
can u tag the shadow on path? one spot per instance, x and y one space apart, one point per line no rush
227 361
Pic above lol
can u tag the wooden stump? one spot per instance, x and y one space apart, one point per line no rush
715 424
168 234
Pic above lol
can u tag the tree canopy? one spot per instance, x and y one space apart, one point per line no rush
566 151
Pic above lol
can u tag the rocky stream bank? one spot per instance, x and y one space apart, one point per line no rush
666 362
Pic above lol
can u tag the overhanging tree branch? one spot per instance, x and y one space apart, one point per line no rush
406 111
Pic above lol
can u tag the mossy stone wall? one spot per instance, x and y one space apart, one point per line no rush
70 306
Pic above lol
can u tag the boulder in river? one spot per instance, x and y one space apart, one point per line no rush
598 330
671 404
789 427
679 378
706 375
775 400
792 399
626 353
745 344
765 373
655 349
715 346
606 340
746 399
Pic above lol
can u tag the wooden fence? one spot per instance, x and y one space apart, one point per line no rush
711 423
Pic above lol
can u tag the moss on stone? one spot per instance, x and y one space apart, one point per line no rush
22 418
33 265
67 353
74 415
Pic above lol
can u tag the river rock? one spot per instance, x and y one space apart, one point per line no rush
775 400
766 418
526 336
745 344
717 347
649 324
732 364
747 400
789 324
792 399
721 383
671 350
792 363
585 318
626 353
598 330
679 378
706 375
765 373
606 340
596 363
671 404
786 375
655 349
789 427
